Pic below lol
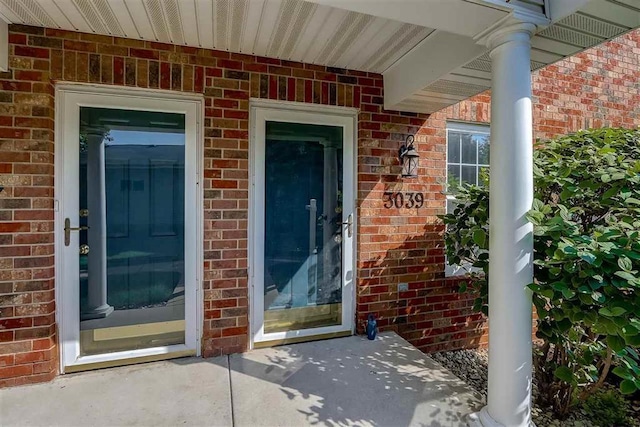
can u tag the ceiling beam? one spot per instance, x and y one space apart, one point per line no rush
432 58
559 9
455 16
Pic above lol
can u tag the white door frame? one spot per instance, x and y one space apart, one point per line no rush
69 99
262 111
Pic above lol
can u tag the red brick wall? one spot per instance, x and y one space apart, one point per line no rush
596 88
27 320
38 59
393 245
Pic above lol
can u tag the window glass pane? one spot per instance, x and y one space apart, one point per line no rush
453 147
453 177
483 148
469 154
467 160
468 174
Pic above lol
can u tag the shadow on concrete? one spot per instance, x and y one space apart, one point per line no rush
347 381
340 382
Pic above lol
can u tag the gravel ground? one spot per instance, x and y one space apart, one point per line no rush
471 367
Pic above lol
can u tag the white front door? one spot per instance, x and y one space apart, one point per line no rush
303 221
127 225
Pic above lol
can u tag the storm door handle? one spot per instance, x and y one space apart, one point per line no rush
349 224
68 229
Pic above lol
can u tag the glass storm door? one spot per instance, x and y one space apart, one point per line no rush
127 239
304 225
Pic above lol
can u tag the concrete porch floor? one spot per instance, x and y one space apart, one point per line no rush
339 382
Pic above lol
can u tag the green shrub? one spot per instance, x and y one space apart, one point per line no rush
586 217
607 408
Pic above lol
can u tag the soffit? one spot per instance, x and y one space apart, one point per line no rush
593 24
294 30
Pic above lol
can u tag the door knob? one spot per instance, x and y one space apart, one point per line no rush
68 229
84 249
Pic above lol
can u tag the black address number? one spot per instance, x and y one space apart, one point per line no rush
400 200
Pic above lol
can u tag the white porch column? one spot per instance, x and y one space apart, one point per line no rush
511 235
97 233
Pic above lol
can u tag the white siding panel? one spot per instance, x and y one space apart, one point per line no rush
55 13
121 13
141 19
331 24
266 27
252 24
187 10
309 33
73 15
204 13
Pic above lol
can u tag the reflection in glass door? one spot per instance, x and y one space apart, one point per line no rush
128 225
132 234
302 225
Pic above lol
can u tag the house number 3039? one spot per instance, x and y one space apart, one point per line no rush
403 200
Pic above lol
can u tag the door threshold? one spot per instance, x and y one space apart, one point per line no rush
296 340
129 361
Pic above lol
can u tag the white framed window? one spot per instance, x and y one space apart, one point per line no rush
467 161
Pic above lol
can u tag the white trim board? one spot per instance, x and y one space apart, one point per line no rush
69 97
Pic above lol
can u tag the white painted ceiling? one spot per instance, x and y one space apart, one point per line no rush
595 22
369 35
287 29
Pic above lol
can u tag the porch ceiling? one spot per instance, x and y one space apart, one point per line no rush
592 23
286 29
426 49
